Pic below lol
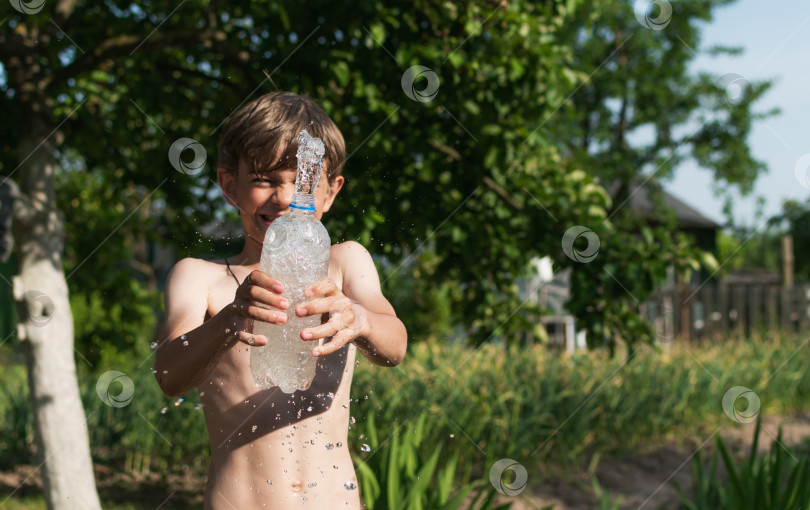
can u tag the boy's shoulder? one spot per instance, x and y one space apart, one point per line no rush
197 272
350 254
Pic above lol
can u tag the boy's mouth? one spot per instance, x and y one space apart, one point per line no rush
267 218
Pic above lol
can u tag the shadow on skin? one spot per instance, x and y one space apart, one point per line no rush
275 409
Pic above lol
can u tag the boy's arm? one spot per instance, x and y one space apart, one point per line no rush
189 346
358 312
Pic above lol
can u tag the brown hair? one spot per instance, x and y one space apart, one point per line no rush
264 133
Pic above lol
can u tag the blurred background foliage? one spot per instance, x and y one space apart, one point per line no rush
538 110
541 107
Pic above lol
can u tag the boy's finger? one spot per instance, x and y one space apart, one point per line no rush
265 315
325 330
256 294
314 307
337 342
321 288
261 279
251 339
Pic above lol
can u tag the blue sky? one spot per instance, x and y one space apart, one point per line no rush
776 39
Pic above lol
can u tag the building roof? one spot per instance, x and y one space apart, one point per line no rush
641 203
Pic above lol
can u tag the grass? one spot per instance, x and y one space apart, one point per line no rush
476 406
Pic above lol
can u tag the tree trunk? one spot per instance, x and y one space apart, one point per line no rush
46 331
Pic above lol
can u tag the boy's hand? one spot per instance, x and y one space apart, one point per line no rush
347 318
253 301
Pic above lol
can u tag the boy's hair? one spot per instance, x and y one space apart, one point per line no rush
263 128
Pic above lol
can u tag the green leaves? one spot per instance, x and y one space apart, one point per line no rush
775 480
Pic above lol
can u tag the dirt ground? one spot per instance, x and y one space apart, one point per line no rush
644 480
640 481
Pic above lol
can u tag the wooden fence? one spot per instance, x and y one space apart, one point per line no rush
694 313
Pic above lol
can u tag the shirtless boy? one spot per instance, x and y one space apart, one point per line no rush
270 449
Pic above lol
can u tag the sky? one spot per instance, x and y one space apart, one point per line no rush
776 40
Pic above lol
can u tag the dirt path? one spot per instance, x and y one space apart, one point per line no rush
644 480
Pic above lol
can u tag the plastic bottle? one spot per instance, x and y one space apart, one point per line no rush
295 252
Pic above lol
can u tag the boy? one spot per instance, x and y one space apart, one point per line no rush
270 449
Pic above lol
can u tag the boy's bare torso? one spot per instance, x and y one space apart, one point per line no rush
270 449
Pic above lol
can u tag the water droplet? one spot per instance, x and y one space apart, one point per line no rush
361 436
364 447
309 408
227 330
253 428
269 482
339 444
351 420
330 395
153 345
178 401
198 406
183 337
163 411
350 485
329 446
452 436
185 343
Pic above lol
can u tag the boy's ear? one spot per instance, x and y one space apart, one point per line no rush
227 181
334 188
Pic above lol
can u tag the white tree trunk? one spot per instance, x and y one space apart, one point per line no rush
46 331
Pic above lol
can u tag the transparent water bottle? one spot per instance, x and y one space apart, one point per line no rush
295 252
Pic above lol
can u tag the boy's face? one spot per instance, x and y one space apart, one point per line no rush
263 198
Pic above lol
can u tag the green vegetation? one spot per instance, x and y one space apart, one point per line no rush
458 193
776 480
471 408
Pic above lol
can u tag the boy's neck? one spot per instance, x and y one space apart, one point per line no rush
250 255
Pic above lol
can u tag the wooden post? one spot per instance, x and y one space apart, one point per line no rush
773 306
723 306
804 307
787 307
739 305
709 325
755 312
787 261
686 321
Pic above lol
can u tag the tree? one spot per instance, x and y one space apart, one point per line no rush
100 91
636 117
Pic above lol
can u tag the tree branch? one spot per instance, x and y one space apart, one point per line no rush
123 45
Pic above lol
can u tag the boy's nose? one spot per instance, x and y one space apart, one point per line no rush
283 196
